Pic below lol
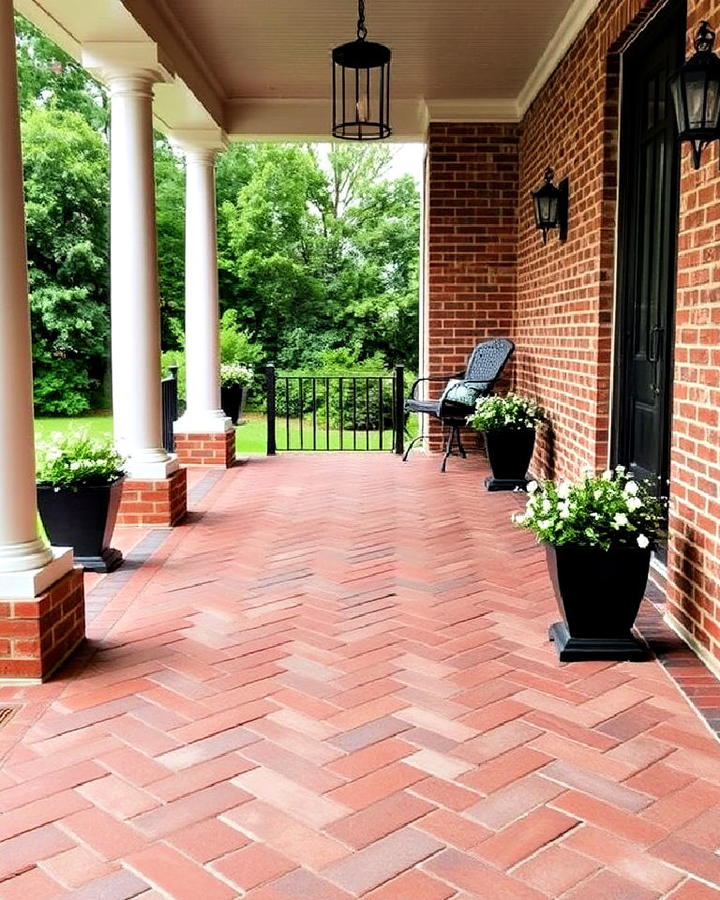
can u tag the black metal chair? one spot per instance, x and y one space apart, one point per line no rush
457 401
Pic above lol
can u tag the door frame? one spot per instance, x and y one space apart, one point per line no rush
619 423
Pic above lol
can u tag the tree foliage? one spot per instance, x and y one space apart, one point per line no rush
318 249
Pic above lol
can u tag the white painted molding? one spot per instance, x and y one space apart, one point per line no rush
104 59
33 582
258 119
572 24
189 139
211 422
479 110
49 25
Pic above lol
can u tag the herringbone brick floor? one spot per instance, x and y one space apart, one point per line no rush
335 683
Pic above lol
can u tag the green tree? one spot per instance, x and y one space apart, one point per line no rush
48 77
170 206
66 188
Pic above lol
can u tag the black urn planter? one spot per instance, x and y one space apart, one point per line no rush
599 594
84 520
509 451
233 399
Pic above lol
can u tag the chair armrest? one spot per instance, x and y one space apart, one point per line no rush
426 378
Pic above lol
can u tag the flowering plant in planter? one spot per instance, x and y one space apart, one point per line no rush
496 413
607 510
235 375
79 482
598 534
75 460
508 424
235 381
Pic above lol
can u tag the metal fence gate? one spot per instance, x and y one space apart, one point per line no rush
335 412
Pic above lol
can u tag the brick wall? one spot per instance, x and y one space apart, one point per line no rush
694 551
161 502
556 302
37 634
563 322
471 226
206 449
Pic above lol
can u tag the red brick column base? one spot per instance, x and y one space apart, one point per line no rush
206 449
147 502
37 634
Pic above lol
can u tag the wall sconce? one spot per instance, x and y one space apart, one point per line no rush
695 91
550 203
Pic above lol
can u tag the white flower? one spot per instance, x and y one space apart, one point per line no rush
634 503
564 511
563 490
532 486
620 520
518 518
631 487
546 505
597 494
620 470
642 541
544 523
607 475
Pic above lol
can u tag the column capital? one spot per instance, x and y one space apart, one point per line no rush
201 145
126 67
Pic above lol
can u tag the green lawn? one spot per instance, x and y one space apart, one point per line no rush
97 426
250 436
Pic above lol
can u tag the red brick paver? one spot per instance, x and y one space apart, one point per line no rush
335 682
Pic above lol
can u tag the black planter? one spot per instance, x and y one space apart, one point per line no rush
233 401
509 452
598 593
84 520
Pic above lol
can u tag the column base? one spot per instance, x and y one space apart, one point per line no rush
160 502
206 449
37 634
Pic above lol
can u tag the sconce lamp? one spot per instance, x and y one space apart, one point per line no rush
695 90
550 203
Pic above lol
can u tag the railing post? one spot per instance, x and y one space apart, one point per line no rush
399 436
270 381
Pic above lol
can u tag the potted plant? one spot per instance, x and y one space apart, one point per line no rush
79 482
235 381
599 533
508 425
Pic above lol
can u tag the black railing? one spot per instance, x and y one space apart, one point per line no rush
169 408
335 412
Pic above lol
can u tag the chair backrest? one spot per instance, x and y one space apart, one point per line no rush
484 366
487 361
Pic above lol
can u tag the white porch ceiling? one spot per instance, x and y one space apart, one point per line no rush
257 68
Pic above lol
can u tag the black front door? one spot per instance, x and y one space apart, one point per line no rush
648 216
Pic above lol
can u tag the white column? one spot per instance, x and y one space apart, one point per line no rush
135 301
202 319
21 548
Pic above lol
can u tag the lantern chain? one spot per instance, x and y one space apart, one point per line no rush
361 29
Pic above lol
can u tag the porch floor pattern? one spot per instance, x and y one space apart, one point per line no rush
335 682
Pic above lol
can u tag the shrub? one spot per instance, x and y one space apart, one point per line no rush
512 411
75 459
611 509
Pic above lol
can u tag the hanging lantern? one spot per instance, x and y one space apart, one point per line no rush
361 87
551 206
695 91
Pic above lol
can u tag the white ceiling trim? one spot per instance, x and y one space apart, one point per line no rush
499 110
49 26
572 24
259 119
